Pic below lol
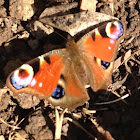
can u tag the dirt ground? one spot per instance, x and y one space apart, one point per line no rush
26 117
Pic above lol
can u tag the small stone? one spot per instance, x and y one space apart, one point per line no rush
1 2
38 30
21 9
2 12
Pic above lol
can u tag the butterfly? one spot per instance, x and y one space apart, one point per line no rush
60 76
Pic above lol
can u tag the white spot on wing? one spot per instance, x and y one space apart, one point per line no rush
109 48
40 84
33 82
112 41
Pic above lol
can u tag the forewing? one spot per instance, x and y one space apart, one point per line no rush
51 77
100 47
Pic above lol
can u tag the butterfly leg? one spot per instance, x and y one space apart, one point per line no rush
80 126
59 120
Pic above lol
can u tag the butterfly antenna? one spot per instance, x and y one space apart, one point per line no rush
114 101
60 35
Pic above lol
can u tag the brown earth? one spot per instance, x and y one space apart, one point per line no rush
118 120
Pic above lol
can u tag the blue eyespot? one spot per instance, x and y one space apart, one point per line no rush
114 30
15 84
58 92
22 77
121 29
105 64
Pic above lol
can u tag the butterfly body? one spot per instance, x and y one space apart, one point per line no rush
61 75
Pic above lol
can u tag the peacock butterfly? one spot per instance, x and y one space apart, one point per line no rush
60 76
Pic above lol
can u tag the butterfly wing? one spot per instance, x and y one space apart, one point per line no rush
100 48
74 23
51 77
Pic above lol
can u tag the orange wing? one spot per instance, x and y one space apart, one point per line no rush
100 48
103 42
49 77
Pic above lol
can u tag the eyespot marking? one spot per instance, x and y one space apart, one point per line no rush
102 63
58 92
22 77
105 64
114 30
